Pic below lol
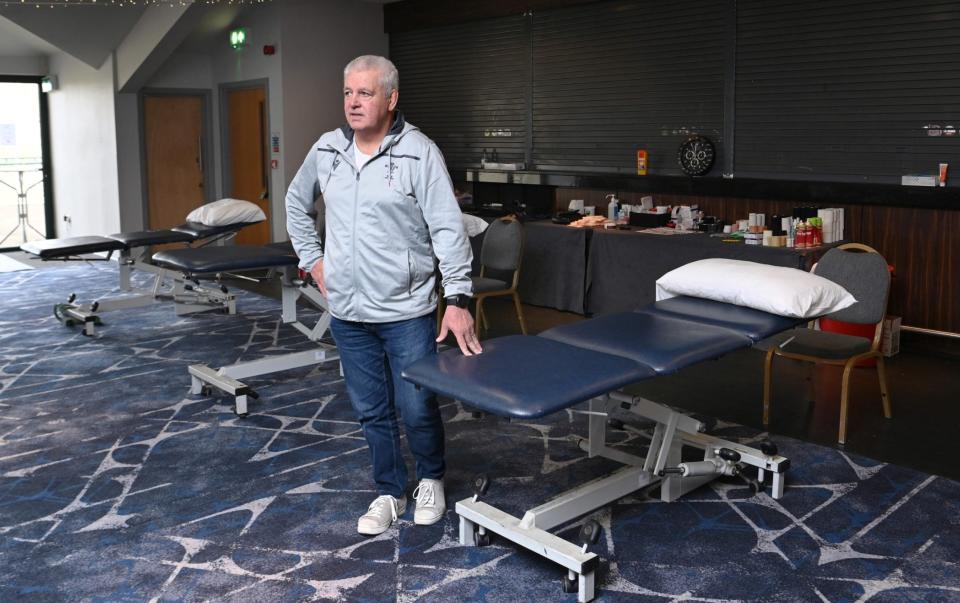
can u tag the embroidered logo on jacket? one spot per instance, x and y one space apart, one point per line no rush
391 168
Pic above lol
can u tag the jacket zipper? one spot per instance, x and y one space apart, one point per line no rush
356 203
353 235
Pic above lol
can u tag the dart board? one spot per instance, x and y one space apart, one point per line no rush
696 155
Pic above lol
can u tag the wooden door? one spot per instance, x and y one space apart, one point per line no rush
173 131
247 122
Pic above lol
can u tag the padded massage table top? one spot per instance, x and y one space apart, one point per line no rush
663 343
755 324
202 231
144 238
73 246
523 377
229 258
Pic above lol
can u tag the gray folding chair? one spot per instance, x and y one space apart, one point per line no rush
863 272
502 252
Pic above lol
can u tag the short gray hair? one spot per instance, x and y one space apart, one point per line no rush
389 76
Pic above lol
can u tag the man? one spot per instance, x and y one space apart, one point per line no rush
389 209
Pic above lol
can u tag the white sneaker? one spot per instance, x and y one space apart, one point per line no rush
381 514
431 504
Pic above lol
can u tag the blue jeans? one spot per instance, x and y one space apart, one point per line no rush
372 356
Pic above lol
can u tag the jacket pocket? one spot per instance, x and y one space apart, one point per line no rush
421 269
385 274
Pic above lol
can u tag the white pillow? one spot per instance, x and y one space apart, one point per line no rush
473 225
226 211
775 289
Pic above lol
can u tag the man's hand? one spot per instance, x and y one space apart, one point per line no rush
459 322
317 273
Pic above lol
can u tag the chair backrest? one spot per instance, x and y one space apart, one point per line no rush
502 244
864 273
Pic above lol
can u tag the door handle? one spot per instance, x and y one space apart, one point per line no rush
264 194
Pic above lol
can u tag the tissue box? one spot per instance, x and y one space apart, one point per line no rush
914 180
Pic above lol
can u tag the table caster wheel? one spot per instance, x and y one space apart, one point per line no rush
483 539
242 415
205 390
570 586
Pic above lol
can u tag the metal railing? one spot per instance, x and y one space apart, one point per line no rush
18 177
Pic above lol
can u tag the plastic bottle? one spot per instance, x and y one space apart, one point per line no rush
641 162
613 208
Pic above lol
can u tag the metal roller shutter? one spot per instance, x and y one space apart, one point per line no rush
841 90
613 77
466 86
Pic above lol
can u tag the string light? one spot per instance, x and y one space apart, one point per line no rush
90 3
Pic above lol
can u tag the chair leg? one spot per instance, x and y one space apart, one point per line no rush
844 400
884 392
767 385
523 323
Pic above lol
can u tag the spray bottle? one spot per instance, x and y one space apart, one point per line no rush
613 208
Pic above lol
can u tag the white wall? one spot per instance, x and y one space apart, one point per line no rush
27 65
319 39
184 70
143 40
83 148
133 214
95 138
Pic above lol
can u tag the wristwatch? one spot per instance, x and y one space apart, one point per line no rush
460 300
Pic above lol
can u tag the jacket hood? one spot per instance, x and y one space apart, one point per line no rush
397 130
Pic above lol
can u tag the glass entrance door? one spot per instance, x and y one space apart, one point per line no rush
25 202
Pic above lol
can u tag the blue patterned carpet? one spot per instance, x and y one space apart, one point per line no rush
117 485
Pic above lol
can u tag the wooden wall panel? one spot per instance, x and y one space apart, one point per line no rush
922 244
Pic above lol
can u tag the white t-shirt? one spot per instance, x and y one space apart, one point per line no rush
359 157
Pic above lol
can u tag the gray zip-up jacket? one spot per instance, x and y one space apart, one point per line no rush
385 225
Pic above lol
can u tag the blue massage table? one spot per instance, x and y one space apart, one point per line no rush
527 377
133 249
276 258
